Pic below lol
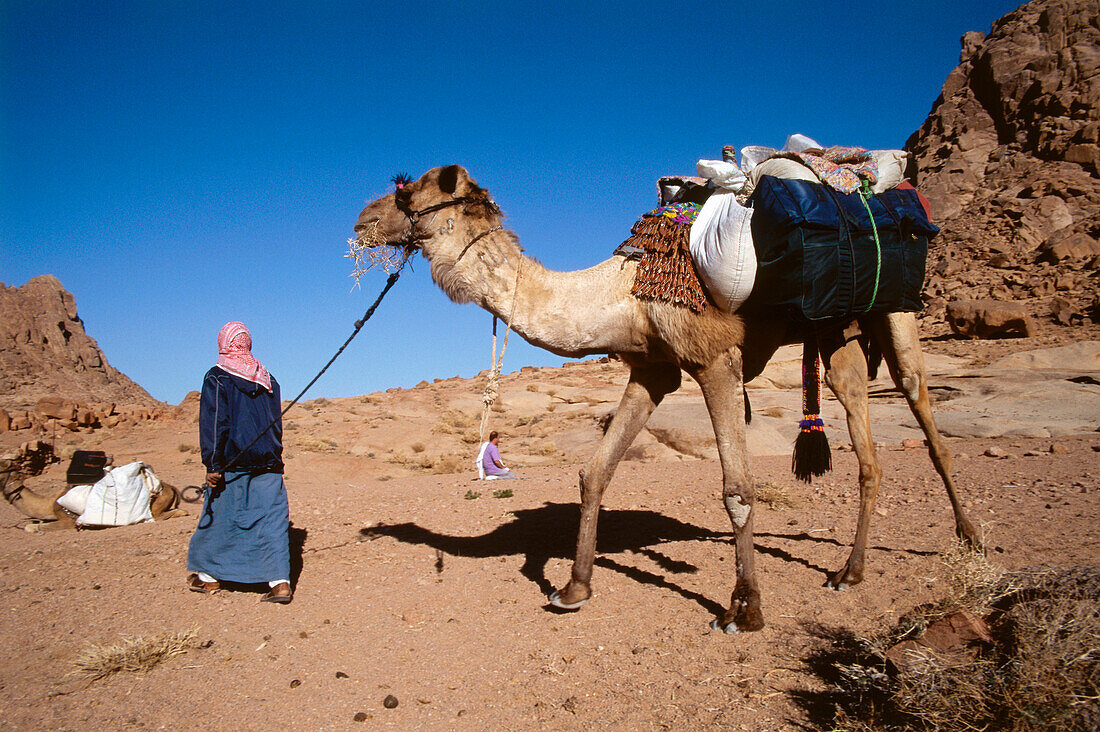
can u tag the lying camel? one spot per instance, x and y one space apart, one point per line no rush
44 507
458 228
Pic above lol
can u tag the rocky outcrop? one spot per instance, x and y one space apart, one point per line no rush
45 353
1010 159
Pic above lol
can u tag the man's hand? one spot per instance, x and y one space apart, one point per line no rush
212 480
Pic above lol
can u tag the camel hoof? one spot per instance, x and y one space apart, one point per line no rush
730 629
556 601
838 586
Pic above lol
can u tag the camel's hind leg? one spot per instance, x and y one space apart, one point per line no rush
846 375
648 385
721 383
896 334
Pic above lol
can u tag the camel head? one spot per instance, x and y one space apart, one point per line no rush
421 215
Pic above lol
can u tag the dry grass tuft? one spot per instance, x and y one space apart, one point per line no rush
132 655
773 495
452 422
1041 672
309 443
448 464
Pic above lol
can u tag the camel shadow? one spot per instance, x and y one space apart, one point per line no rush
549 532
806 536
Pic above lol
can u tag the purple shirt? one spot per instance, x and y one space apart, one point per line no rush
491 454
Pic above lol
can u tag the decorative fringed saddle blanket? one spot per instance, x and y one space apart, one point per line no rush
665 273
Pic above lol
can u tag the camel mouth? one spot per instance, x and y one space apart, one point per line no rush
370 249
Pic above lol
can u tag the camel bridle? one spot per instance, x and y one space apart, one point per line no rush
414 215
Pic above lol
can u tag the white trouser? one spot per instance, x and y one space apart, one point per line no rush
207 578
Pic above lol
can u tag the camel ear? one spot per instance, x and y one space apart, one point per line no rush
448 178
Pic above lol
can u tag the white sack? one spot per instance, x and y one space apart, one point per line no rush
722 250
722 174
75 499
121 498
891 169
780 168
753 155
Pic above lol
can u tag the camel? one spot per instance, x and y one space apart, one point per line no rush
457 227
44 506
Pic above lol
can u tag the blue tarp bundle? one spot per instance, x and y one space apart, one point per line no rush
817 252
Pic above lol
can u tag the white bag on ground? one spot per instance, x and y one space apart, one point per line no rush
722 250
75 499
121 497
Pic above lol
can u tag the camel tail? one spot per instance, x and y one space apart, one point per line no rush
811 448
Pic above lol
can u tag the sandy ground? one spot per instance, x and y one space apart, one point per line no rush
408 586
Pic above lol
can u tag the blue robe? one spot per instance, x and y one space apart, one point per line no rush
244 530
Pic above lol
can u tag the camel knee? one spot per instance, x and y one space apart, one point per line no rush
739 509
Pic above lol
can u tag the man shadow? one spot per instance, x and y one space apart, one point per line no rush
549 532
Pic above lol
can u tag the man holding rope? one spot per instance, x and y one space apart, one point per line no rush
243 532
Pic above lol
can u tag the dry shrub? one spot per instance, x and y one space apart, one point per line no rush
773 495
532 387
452 422
547 448
309 443
447 464
1042 671
417 447
398 458
132 655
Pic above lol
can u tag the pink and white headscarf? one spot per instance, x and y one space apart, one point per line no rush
235 355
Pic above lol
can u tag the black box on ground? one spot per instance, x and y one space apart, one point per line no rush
86 467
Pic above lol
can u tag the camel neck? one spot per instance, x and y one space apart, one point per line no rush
534 301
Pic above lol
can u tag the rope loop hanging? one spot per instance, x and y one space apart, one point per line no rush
492 391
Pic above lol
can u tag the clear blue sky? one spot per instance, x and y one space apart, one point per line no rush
181 164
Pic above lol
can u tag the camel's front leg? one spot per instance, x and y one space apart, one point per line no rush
897 336
722 384
648 385
846 375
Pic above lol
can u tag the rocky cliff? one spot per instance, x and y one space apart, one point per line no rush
44 352
1010 159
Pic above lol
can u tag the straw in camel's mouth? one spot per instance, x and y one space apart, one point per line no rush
369 249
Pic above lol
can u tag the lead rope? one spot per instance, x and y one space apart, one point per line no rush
390 282
489 396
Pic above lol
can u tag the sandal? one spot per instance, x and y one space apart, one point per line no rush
197 585
280 593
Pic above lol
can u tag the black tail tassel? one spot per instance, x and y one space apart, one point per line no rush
811 450
811 447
